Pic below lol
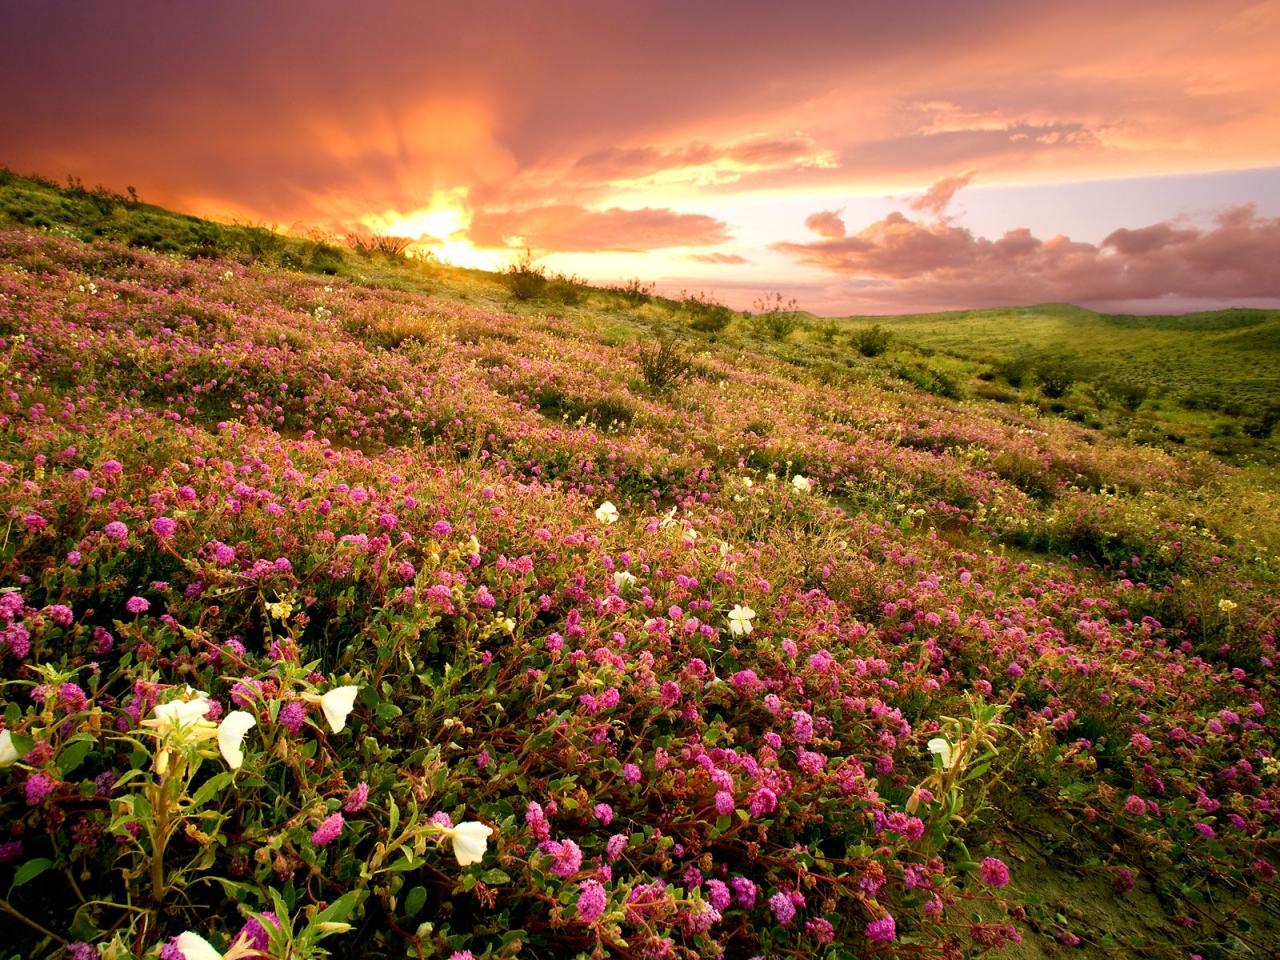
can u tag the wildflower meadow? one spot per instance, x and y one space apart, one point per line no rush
342 619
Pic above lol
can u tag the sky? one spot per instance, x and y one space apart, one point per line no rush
871 157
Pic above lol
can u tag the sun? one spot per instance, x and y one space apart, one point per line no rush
440 229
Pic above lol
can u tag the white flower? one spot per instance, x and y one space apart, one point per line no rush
470 840
8 754
943 749
801 483
231 733
607 513
623 579
740 618
195 947
180 716
337 704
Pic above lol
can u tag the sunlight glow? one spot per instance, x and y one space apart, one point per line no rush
438 229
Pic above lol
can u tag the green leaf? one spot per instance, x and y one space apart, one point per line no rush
215 784
340 909
495 876
22 743
414 901
29 871
73 755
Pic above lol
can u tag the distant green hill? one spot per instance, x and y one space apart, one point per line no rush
1232 350
1208 379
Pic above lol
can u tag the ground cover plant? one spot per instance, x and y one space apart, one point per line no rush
354 618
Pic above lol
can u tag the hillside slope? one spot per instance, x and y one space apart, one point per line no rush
1207 380
764 657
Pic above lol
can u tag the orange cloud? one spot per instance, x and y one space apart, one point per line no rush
599 113
723 259
826 223
563 228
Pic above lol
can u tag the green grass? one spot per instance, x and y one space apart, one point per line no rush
1231 350
1209 378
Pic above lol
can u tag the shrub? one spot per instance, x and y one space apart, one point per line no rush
929 379
1013 370
1264 424
664 364
871 341
706 314
1128 393
321 256
375 244
635 291
566 289
1056 377
525 279
774 317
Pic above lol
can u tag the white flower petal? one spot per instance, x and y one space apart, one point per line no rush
177 714
337 704
470 840
231 733
943 749
740 618
8 754
196 947
607 513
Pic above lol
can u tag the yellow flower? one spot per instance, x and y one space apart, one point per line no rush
1226 606
740 618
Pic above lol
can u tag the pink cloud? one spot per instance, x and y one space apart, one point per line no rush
938 197
563 227
914 263
826 223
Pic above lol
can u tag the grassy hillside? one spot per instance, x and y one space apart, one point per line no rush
355 604
1208 379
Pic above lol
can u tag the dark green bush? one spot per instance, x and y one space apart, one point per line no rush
525 279
774 317
1056 377
871 341
664 364
706 314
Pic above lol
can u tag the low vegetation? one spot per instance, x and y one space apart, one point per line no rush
381 612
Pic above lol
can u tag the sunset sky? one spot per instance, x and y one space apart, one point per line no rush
863 157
